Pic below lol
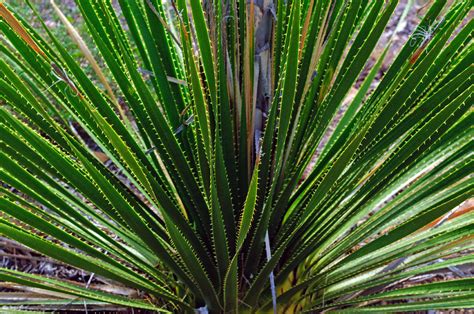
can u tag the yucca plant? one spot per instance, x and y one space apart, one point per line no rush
189 180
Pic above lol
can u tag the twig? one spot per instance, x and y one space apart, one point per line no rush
163 22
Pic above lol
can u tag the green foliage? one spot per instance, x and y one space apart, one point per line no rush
207 151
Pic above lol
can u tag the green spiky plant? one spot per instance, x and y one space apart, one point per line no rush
213 113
